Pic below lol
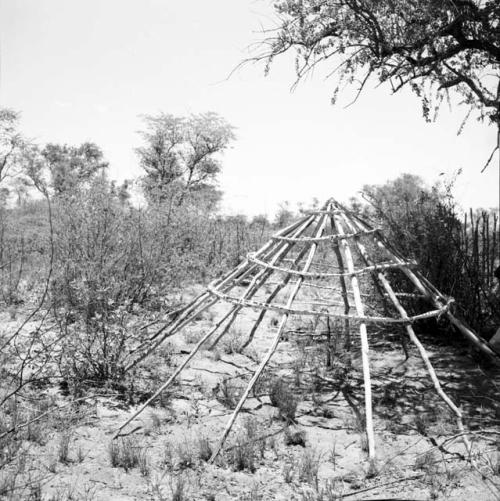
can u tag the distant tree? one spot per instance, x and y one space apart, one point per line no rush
11 143
284 216
70 166
431 46
180 153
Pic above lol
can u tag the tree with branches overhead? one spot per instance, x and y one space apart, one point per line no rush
431 46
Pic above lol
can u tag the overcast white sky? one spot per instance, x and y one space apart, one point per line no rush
83 70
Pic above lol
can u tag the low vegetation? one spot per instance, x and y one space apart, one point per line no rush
88 272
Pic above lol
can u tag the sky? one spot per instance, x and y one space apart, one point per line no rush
86 70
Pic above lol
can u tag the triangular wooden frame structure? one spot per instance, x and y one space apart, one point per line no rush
352 242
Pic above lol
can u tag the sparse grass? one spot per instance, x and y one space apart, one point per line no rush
125 453
63 447
186 457
254 494
156 491
69 492
289 471
233 341
309 467
178 488
242 455
494 463
144 463
333 455
167 459
327 492
204 448
248 447
283 398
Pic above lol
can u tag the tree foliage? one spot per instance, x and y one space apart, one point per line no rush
70 166
431 46
181 152
11 142
458 257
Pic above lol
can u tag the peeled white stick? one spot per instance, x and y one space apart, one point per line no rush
365 350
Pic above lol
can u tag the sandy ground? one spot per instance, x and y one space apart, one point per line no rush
410 422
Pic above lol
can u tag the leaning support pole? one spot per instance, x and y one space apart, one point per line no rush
413 337
272 349
177 371
343 285
438 300
271 296
231 315
365 356
261 276
203 302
